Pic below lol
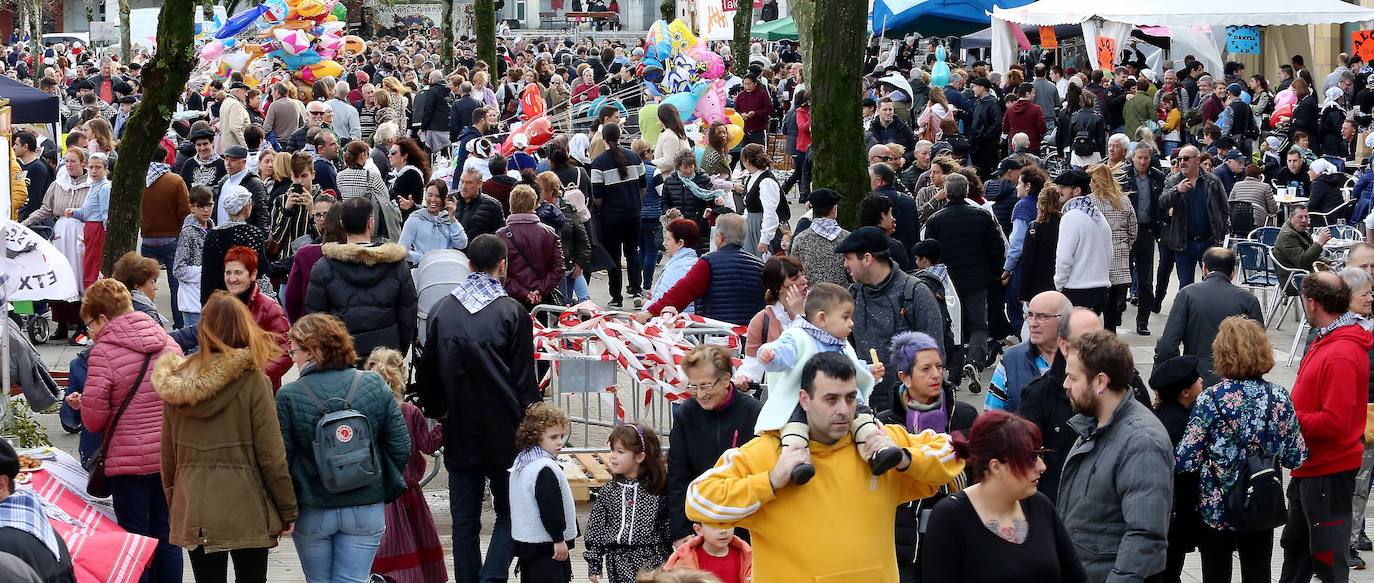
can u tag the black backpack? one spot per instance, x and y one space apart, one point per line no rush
1084 145
1255 501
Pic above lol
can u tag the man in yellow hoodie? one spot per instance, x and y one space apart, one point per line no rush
837 528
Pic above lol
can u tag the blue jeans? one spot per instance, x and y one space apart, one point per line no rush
189 319
336 545
141 508
166 253
575 289
650 237
1186 260
465 487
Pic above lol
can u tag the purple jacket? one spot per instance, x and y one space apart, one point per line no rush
534 254
115 360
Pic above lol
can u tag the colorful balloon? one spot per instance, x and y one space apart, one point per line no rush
275 11
709 63
1281 111
735 134
681 37
711 107
686 102
649 128
353 45
340 12
239 22
211 51
531 102
292 41
320 70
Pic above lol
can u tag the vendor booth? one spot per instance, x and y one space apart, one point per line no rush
1193 28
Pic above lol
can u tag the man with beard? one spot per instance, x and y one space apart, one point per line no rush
1118 521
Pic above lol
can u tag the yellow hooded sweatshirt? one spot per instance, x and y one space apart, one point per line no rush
837 528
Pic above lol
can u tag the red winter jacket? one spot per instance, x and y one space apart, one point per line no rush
114 363
270 317
1330 396
534 255
1025 116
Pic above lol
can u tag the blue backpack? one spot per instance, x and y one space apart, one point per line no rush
344 453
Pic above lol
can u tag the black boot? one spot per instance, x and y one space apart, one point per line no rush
803 473
886 459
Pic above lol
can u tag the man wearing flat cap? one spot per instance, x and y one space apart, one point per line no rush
24 528
233 117
887 302
815 245
1083 256
238 174
985 128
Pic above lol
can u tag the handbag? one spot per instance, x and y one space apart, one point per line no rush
1255 501
556 295
98 484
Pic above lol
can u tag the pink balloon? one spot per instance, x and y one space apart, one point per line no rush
212 50
711 106
1285 97
714 65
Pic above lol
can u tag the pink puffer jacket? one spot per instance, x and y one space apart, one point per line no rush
115 360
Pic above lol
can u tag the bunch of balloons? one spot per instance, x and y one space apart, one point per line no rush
688 75
534 127
305 36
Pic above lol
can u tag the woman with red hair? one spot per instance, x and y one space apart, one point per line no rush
1002 515
240 278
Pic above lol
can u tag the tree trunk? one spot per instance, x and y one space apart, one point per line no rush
36 20
832 39
164 79
484 28
739 45
207 11
125 50
446 45
668 10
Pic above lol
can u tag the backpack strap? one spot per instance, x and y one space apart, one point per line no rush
353 387
321 403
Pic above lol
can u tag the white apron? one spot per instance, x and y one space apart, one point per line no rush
68 235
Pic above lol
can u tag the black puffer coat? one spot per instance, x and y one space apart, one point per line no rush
701 436
961 417
676 195
369 287
482 216
973 245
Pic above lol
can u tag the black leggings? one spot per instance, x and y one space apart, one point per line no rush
1255 549
537 564
250 565
619 233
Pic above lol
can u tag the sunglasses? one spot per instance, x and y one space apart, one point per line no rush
1185 158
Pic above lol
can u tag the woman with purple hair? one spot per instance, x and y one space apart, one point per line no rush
925 402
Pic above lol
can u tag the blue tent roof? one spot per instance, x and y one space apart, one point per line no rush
28 105
898 18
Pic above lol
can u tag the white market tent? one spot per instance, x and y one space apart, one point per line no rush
1189 20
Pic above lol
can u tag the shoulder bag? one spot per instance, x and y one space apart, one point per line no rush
1255 501
98 484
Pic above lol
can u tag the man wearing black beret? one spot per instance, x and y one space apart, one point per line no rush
24 529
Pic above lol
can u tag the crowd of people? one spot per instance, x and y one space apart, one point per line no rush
1013 218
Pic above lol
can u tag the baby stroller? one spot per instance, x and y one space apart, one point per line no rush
34 317
438 273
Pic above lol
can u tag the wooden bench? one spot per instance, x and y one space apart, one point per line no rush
585 472
551 20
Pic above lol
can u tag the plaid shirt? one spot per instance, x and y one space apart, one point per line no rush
479 290
23 510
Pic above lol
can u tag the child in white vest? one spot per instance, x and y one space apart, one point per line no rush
543 517
827 323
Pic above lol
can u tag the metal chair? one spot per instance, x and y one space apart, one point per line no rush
1256 271
1347 232
1283 298
1301 331
1265 235
1242 221
1325 219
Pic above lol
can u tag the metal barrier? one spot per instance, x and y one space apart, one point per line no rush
581 384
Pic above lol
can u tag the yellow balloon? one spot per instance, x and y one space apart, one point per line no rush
735 133
681 37
735 118
354 45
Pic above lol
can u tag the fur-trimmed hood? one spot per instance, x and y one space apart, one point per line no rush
200 393
364 254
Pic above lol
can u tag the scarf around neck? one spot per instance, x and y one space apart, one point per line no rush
1084 203
531 454
24 510
829 343
826 227
921 417
697 190
155 171
478 291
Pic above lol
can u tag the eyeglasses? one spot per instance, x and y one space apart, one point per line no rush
1038 317
703 387
317 113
